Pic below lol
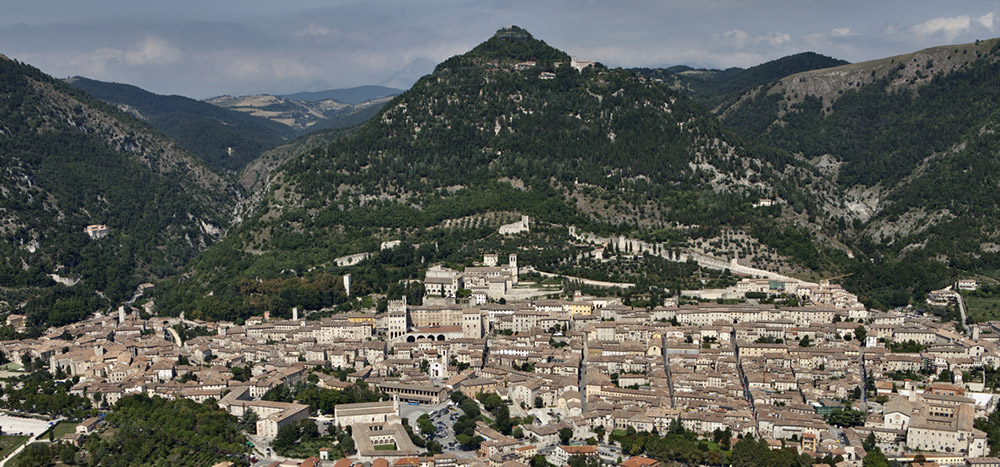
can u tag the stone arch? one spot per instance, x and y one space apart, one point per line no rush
440 337
410 339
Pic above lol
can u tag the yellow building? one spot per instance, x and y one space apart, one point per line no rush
578 308
361 318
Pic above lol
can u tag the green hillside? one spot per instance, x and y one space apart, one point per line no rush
880 172
223 138
600 149
70 161
883 127
910 141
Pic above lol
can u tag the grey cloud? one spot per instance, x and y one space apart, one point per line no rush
204 49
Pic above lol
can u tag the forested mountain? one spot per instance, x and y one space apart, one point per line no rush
223 138
715 87
69 160
911 142
256 174
882 171
230 132
506 127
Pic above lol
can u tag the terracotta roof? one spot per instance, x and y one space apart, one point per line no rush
640 461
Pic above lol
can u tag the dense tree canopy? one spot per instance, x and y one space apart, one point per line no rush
156 431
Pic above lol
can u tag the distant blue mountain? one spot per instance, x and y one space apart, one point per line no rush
351 96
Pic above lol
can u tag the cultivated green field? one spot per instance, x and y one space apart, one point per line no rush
982 306
9 443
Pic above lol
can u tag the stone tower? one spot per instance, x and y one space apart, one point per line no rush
512 260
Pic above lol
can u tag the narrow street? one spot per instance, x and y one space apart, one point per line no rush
583 377
864 381
742 376
666 367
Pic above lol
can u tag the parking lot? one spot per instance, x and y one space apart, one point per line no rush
443 422
412 412
28 426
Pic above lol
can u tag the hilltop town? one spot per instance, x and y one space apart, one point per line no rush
575 376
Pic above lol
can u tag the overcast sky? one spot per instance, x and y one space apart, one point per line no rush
204 48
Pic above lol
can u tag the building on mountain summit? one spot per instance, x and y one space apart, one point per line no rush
579 65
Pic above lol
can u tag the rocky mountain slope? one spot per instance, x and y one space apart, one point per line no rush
69 161
909 139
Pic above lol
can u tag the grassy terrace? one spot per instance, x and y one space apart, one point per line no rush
982 308
9 443
310 447
61 429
